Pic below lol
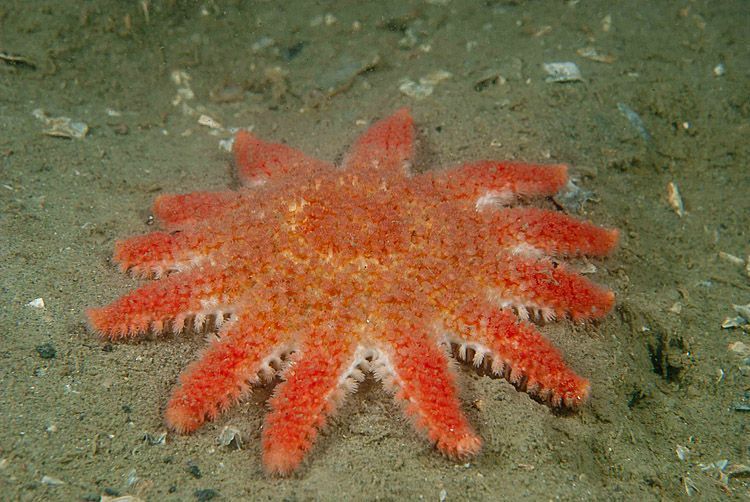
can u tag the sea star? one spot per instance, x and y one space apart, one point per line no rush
318 274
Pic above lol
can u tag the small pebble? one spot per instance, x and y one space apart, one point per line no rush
46 351
205 494
194 471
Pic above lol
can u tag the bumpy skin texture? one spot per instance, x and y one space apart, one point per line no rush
319 274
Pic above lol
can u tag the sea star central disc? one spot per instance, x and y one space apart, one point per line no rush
320 274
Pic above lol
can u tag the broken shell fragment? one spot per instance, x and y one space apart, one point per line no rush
734 260
122 498
230 436
50 481
682 452
675 199
733 322
210 122
155 439
17 60
562 72
635 120
743 310
594 55
739 348
740 321
489 78
61 127
37 303
425 86
689 486
737 470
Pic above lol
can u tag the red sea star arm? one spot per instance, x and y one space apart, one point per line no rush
160 252
387 145
518 352
314 384
257 161
174 298
223 373
182 209
418 371
496 180
551 231
545 284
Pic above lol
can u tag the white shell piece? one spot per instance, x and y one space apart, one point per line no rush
562 72
37 303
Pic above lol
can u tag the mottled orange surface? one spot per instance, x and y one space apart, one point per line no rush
319 274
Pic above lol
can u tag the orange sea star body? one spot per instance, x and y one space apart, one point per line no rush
319 274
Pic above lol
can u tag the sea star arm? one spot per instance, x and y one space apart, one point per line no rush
550 231
417 369
490 180
224 371
315 383
157 253
546 285
177 210
197 293
519 353
388 145
257 161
